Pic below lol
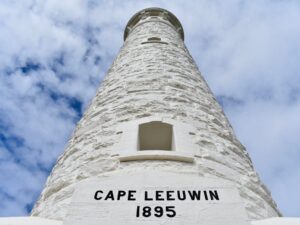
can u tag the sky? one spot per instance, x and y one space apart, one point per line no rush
54 54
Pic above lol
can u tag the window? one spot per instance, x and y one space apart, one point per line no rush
154 39
155 136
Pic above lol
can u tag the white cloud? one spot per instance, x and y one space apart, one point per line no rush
247 50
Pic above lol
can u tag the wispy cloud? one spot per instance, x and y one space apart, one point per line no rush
53 54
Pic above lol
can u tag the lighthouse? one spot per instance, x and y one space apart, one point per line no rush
154 146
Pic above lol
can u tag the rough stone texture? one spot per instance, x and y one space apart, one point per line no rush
278 221
156 79
28 221
42 221
86 210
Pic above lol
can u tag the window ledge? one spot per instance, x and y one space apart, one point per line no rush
151 42
156 155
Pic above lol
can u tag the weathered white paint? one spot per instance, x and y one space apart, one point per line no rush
28 221
228 209
43 221
148 80
277 221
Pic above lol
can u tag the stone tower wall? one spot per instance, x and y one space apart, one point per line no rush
158 80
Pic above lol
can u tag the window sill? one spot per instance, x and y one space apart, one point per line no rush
156 155
157 42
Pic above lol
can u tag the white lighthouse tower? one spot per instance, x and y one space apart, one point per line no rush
154 146
154 117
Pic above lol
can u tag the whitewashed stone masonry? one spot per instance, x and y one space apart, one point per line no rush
154 79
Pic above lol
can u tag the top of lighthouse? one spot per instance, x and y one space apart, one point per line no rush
153 12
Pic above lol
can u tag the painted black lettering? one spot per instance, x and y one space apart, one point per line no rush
97 195
137 211
181 195
147 198
170 196
110 196
195 195
121 194
205 195
158 196
131 196
214 195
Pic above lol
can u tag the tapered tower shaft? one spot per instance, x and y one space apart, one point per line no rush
154 112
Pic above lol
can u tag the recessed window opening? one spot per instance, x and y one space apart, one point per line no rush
155 136
154 39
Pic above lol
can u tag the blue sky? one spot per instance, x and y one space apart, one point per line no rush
54 54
